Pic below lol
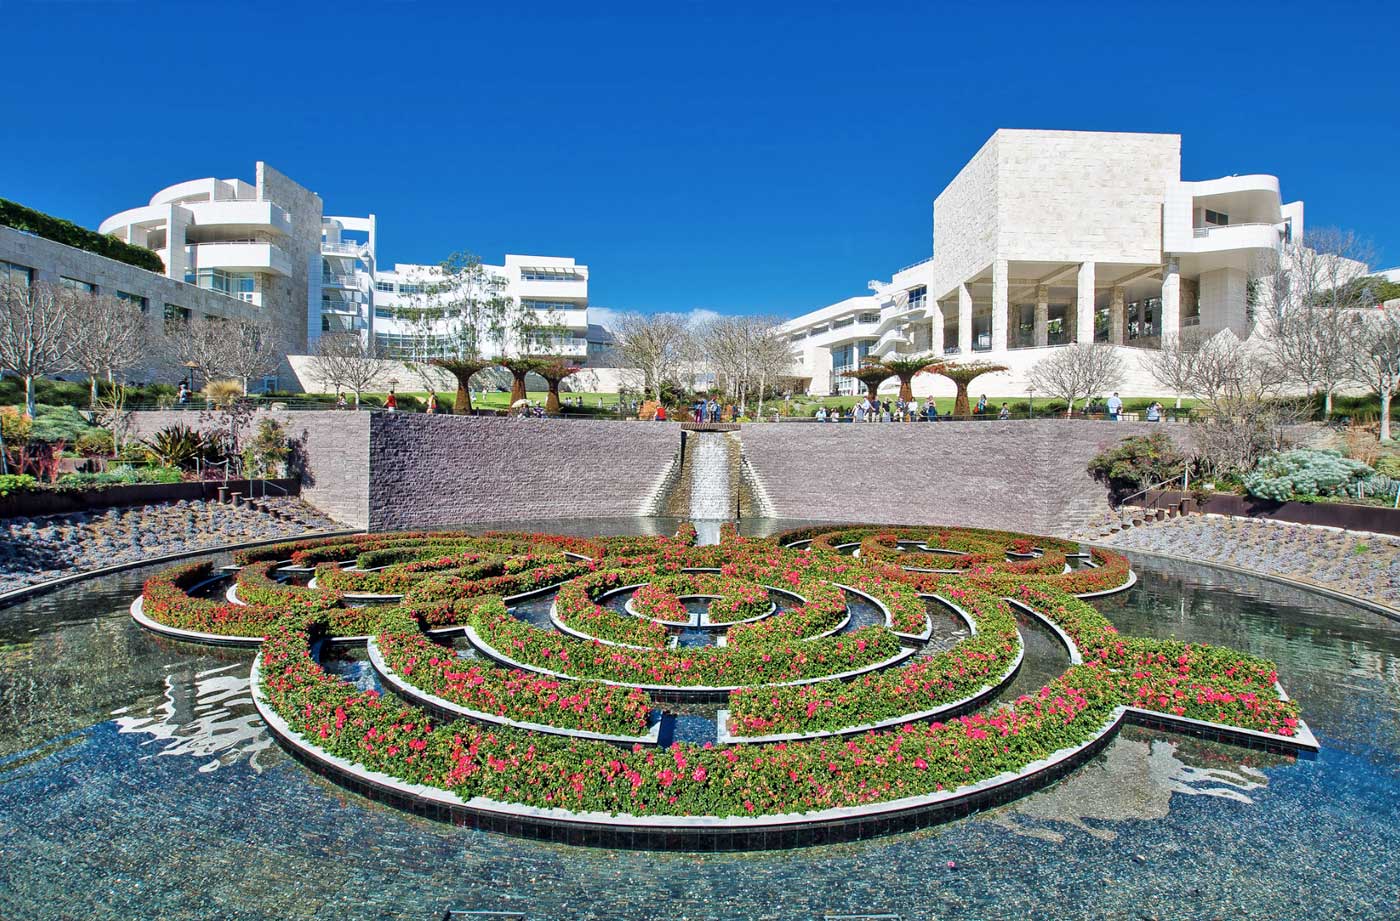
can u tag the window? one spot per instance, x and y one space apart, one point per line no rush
1216 218
19 274
383 313
77 285
917 296
410 289
870 318
136 299
175 317
532 304
384 286
550 273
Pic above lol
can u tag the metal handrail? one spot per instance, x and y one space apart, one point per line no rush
1207 229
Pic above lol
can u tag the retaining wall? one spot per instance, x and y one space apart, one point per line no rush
1021 475
433 471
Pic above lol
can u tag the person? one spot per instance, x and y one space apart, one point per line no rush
1005 412
714 410
391 402
858 414
1115 407
886 412
932 411
184 395
1154 412
820 414
661 413
432 403
913 410
697 412
339 399
981 405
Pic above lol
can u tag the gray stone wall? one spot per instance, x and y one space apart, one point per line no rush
1025 475
437 471
333 446
294 301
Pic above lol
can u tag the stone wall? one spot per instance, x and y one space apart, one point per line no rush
437 471
333 447
1027 476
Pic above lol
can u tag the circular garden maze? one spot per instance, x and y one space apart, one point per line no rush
534 684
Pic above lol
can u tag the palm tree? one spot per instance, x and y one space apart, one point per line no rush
872 374
463 369
962 374
554 370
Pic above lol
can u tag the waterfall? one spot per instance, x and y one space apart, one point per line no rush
709 484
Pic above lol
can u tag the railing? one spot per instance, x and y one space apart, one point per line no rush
1191 321
348 249
1206 230
915 264
1124 515
336 278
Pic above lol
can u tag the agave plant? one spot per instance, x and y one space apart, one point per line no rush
175 445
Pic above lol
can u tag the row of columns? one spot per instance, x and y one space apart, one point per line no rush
1079 316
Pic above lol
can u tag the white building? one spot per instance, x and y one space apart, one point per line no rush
1051 237
553 290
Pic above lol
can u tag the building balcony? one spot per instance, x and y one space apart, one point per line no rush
570 289
341 248
240 257
338 280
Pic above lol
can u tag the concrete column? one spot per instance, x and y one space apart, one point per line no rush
1084 304
1171 299
964 320
1042 316
1000 308
1117 317
935 330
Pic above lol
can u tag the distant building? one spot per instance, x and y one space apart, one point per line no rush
1045 238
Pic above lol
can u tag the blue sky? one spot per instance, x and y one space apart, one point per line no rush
739 158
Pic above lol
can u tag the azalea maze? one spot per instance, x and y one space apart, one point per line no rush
827 683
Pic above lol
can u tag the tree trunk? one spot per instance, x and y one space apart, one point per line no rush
517 386
551 402
1385 413
29 395
873 391
906 388
92 394
462 405
960 405
1326 404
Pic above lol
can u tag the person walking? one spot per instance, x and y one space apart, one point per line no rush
661 413
714 410
391 402
432 402
183 396
981 409
1115 407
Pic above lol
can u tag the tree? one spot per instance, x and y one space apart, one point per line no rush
745 352
655 345
1079 370
554 371
1313 293
197 343
905 367
464 369
1377 359
346 361
107 337
872 374
519 368
36 332
248 350
963 373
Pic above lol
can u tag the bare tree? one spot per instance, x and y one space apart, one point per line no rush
108 334
346 362
745 352
655 345
248 349
36 332
197 343
1242 391
1377 357
1312 293
1079 370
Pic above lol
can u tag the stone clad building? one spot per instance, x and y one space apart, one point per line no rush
1046 238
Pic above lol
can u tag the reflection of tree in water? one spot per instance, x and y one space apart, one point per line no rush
1135 778
207 714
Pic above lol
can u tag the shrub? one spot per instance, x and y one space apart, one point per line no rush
13 214
175 445
1389 466
15 426
223 393
1137 462
94 443
1308 472
59 423
16 482
266 454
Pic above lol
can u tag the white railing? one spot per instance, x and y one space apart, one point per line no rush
915 264
343 281
1209 228
348 249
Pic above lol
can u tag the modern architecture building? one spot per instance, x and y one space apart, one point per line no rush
1046 238
549 292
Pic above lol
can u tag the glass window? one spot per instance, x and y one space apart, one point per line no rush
383 313
384 286
175 316
533 304
77 285
1217 218
136 299
410 289
550 273
20 274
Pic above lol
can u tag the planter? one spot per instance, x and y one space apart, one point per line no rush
34 503
1329 514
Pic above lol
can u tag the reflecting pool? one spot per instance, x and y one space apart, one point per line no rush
137 782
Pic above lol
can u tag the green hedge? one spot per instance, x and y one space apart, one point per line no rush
13 214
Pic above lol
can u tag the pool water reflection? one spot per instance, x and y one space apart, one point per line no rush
136 782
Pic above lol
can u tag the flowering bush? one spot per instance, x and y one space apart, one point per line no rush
734 599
